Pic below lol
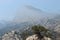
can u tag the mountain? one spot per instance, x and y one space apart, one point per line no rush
26 15
29 16
14 26
30 13
52 24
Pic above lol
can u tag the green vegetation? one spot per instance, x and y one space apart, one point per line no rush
42 30
37 29
25 34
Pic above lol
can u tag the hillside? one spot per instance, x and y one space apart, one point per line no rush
36 31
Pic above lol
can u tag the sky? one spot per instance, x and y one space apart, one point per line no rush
9 8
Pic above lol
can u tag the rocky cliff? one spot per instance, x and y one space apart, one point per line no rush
11 36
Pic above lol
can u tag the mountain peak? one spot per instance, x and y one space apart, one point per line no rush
33 8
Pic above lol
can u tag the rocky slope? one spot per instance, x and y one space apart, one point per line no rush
11 36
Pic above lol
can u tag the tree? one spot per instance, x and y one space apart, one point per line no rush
38 29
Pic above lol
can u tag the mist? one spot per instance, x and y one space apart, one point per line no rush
30 13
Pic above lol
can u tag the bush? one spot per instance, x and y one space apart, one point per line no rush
40 29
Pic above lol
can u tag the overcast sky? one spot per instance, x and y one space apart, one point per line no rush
9 8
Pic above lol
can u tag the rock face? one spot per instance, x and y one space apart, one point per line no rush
47 38
11 36
35 37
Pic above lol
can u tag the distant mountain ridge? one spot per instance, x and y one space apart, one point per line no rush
29 19
48 23
52 24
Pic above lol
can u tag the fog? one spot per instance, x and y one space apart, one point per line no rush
30 13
